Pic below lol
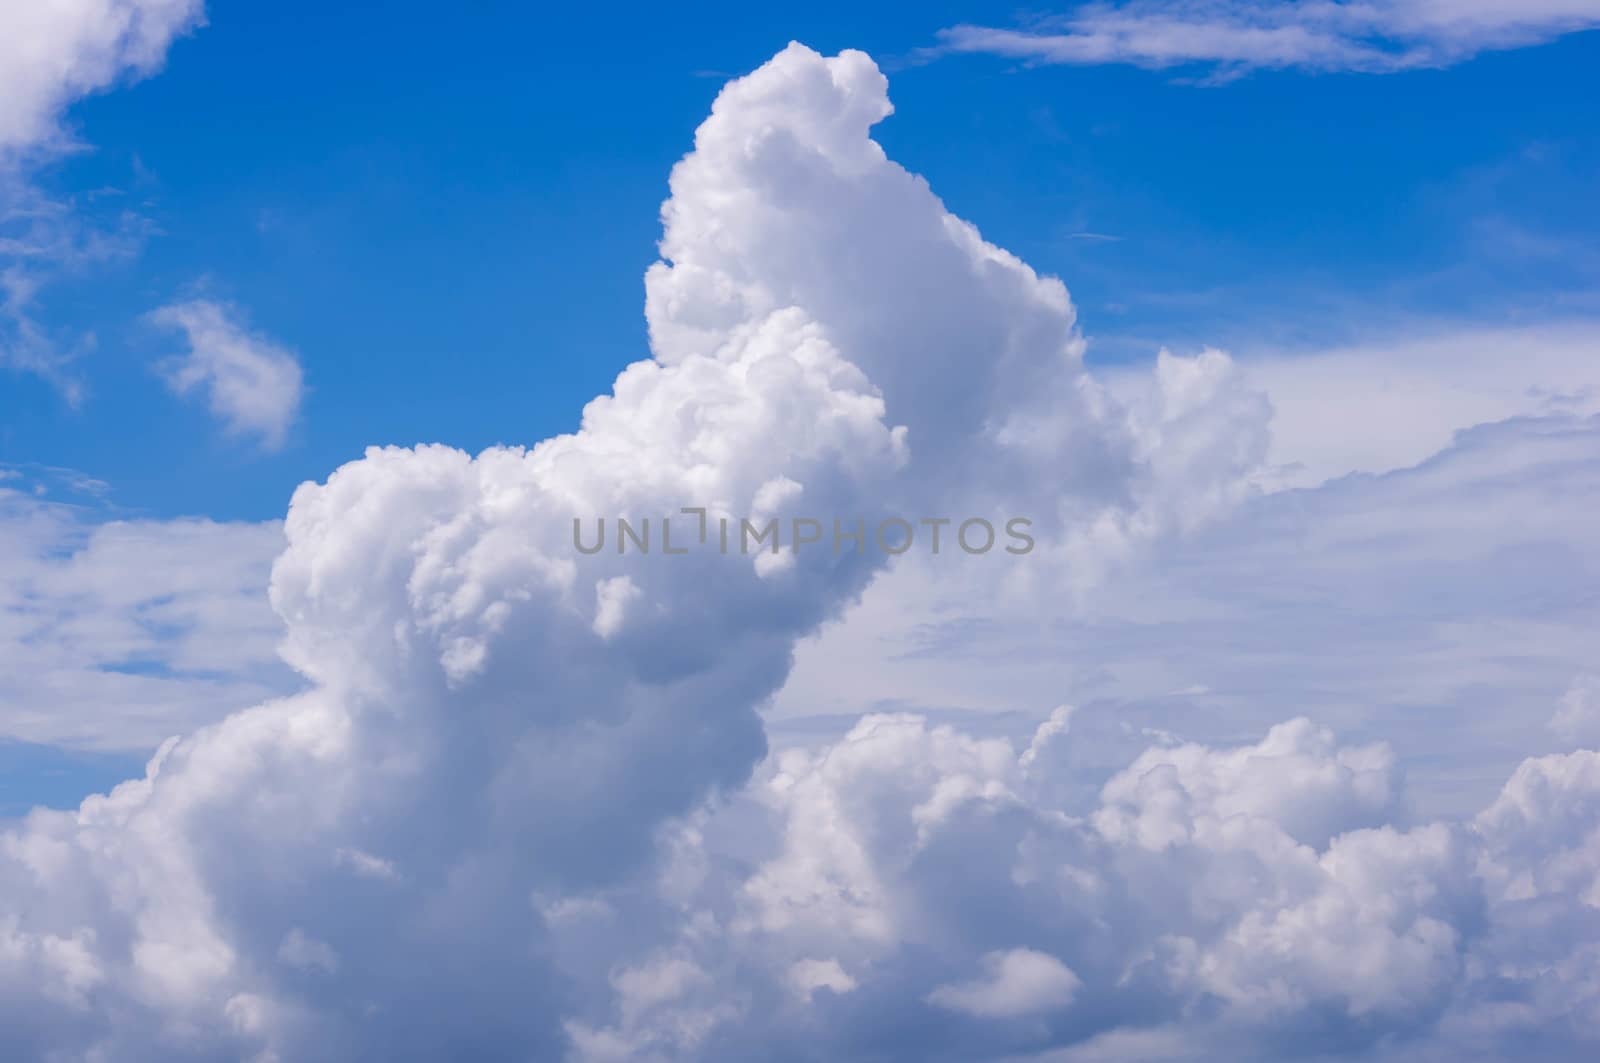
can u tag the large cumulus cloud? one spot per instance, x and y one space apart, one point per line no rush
525 807
493 716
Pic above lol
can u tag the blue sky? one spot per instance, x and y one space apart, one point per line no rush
474 198
1278 322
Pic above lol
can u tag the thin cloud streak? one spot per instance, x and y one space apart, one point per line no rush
1234 37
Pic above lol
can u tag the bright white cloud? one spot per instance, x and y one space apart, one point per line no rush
1235 36
486 704
251 384
525 808
1150 803
52 54
1237 928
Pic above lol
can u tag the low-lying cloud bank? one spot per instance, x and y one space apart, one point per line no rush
930 899
526 809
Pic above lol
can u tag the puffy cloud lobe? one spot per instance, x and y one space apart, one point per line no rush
927 881
1175 795
786 201
1541 975
870 799
1544 829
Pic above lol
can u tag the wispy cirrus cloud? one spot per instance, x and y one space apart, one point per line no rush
52 55
44 239
1233 37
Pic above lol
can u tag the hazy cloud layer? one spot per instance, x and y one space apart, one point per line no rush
126 632
1446 608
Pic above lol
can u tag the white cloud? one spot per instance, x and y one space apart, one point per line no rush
252 385
611 604
307 953
1151 803
1392 403
809 975
525 808
1577 722
54 53
1234 36
1247 931
130 630
1443 608
1015 982
449 628
1411 396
